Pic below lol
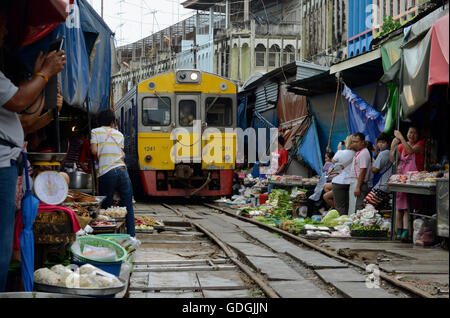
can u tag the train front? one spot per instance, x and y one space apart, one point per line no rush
186 139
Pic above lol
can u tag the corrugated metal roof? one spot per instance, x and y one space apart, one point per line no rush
306 70
266 96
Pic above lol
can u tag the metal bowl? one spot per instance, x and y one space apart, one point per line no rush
81 291
37 295
79 180
42 156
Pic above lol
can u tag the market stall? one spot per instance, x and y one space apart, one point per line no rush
424 184
281 211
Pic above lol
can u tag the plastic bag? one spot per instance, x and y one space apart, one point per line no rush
99 253
424 233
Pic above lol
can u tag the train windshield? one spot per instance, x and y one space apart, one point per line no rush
188 112
156 111
219 111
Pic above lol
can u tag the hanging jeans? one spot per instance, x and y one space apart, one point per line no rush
8 180
118 180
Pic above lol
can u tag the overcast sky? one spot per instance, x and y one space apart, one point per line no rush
124 17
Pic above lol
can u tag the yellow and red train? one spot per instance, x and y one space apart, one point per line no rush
167 123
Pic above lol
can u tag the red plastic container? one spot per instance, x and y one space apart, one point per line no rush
263 198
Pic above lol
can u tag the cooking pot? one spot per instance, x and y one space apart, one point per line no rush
79 180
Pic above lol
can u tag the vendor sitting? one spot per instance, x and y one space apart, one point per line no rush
382 169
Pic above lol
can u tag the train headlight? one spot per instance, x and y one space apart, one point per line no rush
188 77
194 76
148 158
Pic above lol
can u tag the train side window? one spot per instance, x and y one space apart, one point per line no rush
188 112
156 111
219 111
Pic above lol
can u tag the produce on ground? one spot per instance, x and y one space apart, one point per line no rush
280 199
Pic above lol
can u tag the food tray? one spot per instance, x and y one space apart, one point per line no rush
80 291
98 198
42 156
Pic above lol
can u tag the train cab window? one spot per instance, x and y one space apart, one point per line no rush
156 111
188 112
219 111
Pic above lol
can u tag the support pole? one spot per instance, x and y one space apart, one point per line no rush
334 110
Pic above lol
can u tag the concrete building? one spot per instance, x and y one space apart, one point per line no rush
365 19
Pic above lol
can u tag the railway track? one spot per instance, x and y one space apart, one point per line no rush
208 252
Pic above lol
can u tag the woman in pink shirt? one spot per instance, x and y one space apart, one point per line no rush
410 158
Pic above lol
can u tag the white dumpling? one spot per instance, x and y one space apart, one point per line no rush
60 269
107 281
72 280
87 269
46 276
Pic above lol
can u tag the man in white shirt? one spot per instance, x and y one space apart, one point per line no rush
341 183
107 144
359 173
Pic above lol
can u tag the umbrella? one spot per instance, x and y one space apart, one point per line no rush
31 20
30 206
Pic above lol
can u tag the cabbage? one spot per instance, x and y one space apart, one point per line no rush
330 218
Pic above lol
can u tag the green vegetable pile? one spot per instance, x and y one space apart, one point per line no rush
281 199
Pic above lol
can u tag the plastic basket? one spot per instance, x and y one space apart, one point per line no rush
118 238
97 241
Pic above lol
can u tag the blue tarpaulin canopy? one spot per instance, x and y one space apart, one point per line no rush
362 117
310 148
87 44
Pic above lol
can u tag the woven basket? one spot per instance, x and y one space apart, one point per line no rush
98 242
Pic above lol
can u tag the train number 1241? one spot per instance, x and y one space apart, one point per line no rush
150 148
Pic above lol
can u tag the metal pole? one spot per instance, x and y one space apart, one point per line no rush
102 8
397 125
334 111
58 137
91 157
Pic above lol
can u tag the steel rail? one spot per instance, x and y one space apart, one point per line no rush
266 288
403 285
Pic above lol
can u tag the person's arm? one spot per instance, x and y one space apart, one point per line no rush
94 149
29 91
408 148
394 144
28 121
42 121
94 144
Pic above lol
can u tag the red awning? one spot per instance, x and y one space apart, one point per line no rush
438 74
31 20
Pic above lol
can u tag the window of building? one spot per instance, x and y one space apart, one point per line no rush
219 112
260 55
288 54
274 56
156 111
